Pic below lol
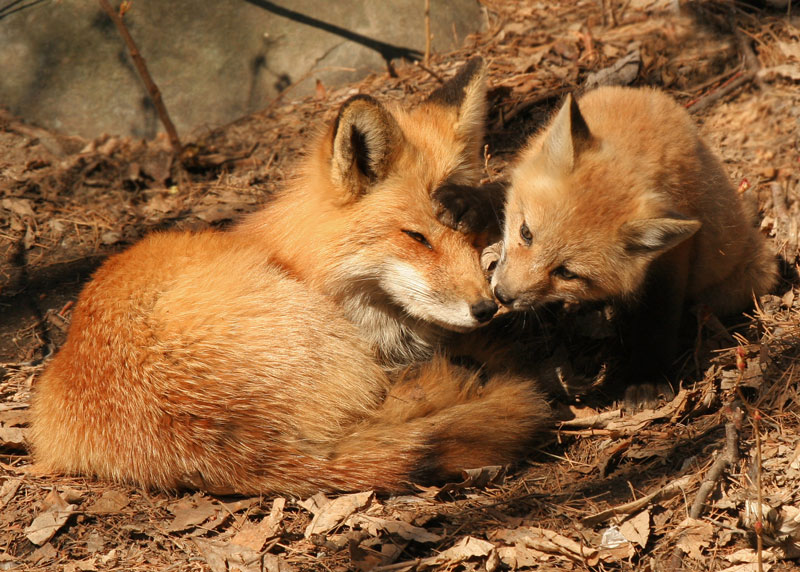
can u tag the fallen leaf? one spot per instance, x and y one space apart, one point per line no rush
224 557
49 521
621 72
466 549
8 490
109 502
42 554
255 535
190 512
548 542
21 207
788 71
637 529
695 535
333 513
404 530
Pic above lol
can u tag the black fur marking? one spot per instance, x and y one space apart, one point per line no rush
361 153
468 209
453 91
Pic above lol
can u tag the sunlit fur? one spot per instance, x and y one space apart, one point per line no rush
354 249
255 361
644 169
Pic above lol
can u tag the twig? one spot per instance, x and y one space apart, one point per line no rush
738 79
141 67
670 490
759 526
427 56
729 457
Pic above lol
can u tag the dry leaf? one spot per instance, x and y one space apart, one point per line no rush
475 478
21 207
637 529
109 502
42 554
621 72
549 542
752 567
788 71
8 490
404 530
466 549
50 521
695 535
190 512
332 514
521 556
223 557
255 535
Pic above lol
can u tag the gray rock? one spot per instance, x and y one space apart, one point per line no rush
64 66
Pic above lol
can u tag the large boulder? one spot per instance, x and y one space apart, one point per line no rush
64 66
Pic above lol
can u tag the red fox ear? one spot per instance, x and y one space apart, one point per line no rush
466 94
365 135
567 137
651 236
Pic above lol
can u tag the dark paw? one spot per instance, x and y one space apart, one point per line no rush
464 208
647 395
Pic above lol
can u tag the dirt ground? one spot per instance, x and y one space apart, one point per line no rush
678 487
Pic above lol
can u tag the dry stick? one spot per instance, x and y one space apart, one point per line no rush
427 31
729 457
668 491
759 526
149 84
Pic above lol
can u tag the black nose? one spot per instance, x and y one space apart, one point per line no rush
505 298
483 310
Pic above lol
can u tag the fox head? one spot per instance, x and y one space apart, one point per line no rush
580 223
387 206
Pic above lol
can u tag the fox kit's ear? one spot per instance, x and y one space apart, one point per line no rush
567 137
365 135
651 236
465 93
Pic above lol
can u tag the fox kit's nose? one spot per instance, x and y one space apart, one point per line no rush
505 298
483 310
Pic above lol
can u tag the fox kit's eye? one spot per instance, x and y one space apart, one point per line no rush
419 237
525 233
564 273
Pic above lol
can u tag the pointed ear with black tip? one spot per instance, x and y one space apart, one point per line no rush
652 236
365 136
567 137
465 93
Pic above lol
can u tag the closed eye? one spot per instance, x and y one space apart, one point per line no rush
419 237
564 273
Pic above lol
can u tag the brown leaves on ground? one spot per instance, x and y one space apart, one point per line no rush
611 492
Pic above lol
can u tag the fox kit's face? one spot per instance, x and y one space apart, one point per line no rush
399 178
577 226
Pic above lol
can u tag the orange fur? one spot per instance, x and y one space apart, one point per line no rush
619 199
255 361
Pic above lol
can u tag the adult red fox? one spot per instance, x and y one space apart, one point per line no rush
619 199
256 360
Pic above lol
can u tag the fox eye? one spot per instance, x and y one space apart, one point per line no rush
525 233
419 237
564 273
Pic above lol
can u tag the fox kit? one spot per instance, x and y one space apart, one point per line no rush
619 199
255 361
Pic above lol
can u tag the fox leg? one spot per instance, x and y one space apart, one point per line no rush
651 328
